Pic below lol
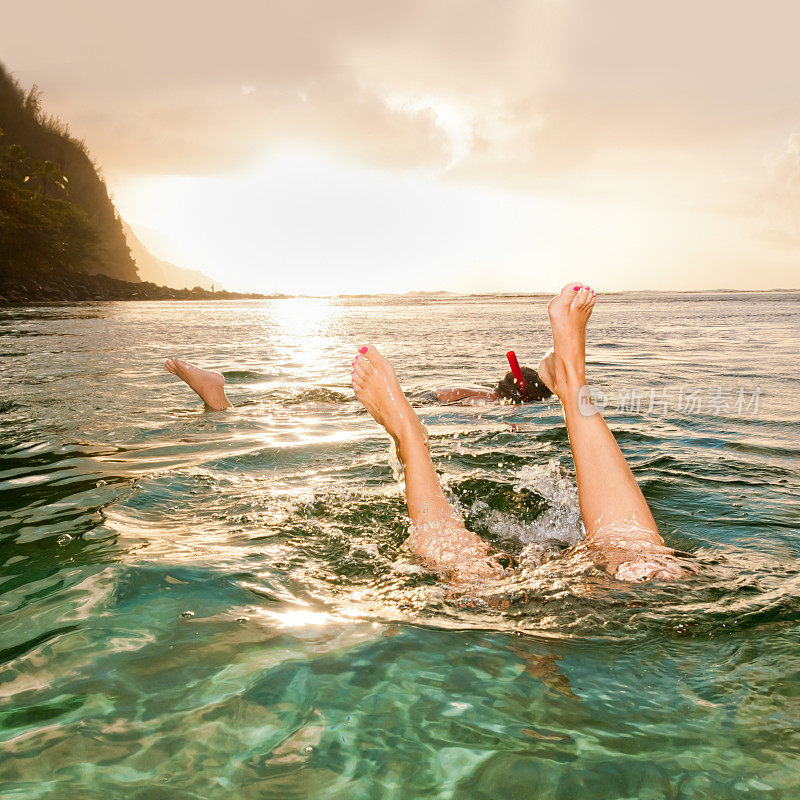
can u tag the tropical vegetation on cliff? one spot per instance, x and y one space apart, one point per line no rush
39 232
55 212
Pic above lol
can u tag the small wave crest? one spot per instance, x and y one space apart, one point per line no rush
317 395
245 375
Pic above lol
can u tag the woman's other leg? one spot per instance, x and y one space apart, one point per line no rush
437 534
616 516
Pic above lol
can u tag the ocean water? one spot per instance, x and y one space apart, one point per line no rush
208 605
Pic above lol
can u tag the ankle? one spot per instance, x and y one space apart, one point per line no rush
568 390
410 437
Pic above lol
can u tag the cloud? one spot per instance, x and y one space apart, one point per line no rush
666 107
515 91
230 127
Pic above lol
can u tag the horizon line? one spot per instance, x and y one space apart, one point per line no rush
442 292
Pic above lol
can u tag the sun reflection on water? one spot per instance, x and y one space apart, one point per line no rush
308 335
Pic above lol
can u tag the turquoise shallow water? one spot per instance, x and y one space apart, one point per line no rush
203 605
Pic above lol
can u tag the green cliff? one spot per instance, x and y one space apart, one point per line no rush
55 212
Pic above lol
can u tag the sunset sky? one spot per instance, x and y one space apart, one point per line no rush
480 145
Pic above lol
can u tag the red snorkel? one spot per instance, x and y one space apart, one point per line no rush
517 373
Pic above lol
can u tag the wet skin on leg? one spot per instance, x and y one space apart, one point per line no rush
619 524
437 534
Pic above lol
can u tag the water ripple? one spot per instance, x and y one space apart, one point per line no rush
208 605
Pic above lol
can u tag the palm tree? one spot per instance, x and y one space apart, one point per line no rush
48 172
14 164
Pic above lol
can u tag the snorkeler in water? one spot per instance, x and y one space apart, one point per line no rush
527 388
621 533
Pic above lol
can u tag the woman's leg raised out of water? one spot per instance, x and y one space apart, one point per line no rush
620 527
437 534
209 385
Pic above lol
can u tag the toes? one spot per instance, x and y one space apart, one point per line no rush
580 297
365 364
169 366
571 289
371 354
590 294
360 368
565 296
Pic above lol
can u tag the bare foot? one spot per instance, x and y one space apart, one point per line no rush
209 385
569 311
376 386
547 371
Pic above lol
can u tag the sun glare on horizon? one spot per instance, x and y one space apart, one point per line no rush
306 223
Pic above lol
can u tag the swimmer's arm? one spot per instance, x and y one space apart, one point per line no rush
455 394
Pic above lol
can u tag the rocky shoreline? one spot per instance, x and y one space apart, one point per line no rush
46 288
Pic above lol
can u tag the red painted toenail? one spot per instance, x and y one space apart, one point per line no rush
363 349
575 288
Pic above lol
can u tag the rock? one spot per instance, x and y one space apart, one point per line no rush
44 286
